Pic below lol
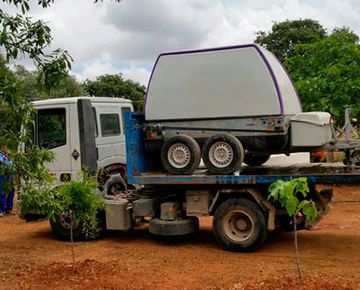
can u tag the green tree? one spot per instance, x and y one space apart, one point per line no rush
75 200
284 36
31 89
116 86
327 74
292 195
28 84
21 35
14 113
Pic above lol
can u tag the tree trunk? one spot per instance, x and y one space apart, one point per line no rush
72 241
297 249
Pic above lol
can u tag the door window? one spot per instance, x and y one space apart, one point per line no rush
110 125
51 127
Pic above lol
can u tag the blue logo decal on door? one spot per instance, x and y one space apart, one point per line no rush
75 154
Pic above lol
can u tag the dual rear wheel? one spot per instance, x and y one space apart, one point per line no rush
180 155
221 153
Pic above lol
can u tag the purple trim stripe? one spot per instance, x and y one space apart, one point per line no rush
273 77
291 80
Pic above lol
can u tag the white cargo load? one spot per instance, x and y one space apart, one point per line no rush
311 129
226 106
239 81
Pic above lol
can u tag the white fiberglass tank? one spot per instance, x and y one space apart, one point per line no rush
237 81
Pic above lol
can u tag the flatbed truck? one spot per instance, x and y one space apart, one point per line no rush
242 214
225 106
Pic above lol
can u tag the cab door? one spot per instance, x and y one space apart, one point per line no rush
109 135
52 133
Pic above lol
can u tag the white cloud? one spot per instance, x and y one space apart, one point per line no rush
95 69
126 37
137 74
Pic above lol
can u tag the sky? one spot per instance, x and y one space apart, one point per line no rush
110 37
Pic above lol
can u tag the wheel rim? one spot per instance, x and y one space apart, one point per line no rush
221 154
238 226
65 221
179 155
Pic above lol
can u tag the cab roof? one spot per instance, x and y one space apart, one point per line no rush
75 100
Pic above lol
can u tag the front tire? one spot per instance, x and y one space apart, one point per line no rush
239 225
61 224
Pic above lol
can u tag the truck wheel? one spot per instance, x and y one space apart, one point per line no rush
222 154
239 225
180 155
115 184
252 159
61 227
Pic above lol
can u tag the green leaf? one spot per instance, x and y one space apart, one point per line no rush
275 189
302 204
310 211
291 205
285 193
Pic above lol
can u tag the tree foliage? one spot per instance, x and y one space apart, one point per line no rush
325 68
284 36
327 74
292 195
115 86
31 88
287 194
15 114
78 196
20 34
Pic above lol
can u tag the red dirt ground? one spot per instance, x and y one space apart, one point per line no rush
31 258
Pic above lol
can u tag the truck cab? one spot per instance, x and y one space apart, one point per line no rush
83 132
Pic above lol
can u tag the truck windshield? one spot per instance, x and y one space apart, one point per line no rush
51 127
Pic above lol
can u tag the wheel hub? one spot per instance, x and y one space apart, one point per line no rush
238 226
241 224
221 154
179 155
65 221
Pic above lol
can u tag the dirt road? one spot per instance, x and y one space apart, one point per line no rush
31 258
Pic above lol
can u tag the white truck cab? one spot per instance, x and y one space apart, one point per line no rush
83 132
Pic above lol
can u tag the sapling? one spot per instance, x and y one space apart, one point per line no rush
76 199
292 195
80 201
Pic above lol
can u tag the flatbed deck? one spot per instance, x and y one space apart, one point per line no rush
139 171
326 173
